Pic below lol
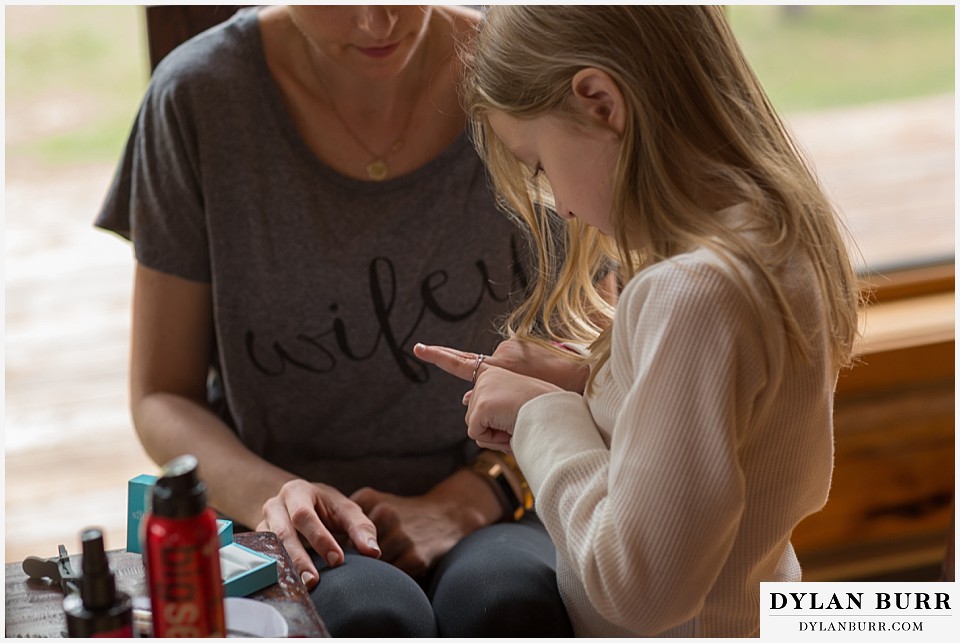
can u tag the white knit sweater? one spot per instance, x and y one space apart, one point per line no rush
672 491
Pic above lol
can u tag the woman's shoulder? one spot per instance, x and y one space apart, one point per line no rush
215 57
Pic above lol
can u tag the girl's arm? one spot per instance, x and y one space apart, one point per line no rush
648 521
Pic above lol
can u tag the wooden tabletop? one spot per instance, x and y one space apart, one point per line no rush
35 608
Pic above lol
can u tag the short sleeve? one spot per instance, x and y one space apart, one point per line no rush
155 198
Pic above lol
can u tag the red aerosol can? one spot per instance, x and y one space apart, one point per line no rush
183 555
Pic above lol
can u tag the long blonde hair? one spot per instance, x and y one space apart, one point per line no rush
697 120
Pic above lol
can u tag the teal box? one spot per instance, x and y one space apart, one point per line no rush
244 571
138 503
225 532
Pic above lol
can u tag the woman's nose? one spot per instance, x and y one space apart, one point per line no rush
377 20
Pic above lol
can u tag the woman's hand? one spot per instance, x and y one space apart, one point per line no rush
497 395
416 531
318 514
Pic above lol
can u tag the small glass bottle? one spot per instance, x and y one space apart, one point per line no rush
99 610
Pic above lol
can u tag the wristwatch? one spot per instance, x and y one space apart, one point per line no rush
507 482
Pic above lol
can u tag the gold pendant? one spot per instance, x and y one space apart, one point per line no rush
377 169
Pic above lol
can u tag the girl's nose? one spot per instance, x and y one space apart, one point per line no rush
377 20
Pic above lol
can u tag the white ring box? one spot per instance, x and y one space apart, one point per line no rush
245 571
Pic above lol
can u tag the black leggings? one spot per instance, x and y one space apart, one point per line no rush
500 581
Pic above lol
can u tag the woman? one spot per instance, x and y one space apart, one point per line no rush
302 199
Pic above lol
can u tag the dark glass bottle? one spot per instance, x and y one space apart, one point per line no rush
99 610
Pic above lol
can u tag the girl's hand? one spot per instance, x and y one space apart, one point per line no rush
498 394
316 513
565 369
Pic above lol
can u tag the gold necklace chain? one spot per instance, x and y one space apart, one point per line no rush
377 168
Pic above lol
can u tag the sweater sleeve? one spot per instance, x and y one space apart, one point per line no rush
647 525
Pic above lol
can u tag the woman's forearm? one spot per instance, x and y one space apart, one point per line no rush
238 481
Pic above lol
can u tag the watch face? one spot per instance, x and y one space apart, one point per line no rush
512 501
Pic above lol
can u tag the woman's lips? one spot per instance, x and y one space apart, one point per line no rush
378 52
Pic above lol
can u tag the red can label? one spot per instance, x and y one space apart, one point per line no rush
125 632
186 590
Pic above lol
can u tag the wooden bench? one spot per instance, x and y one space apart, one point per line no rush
890 510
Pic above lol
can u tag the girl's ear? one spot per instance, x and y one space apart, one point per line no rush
598 97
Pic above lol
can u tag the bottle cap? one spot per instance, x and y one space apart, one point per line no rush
179 492
98 587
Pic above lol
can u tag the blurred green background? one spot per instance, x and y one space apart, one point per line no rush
811 57
74 78
91 61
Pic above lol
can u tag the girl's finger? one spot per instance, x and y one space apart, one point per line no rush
500 437
495 446
457 363
486 434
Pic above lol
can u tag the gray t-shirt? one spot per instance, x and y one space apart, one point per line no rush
321 283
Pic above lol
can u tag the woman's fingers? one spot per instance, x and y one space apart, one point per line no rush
354 521
277 519
315 513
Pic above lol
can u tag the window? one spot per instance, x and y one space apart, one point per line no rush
868 93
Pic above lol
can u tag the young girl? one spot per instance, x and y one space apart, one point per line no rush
671 484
